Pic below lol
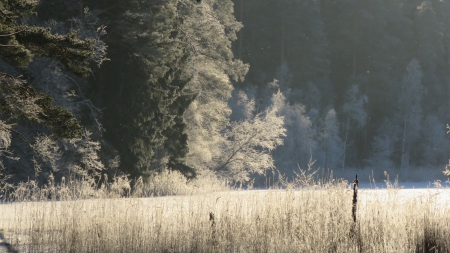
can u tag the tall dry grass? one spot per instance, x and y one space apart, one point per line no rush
307 219
162 184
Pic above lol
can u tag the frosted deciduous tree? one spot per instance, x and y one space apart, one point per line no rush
207 116
299 141
243 104
47 152
67 157
248 145
233 150
86 150
207 32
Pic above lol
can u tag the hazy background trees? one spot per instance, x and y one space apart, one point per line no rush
382 65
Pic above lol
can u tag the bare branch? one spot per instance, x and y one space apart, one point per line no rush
229 160
85 99
20 134
49 63
3 12
11 34
23 138
89 104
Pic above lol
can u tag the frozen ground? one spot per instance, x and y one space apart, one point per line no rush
438 192
404 185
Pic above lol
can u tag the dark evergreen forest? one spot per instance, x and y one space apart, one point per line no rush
234 88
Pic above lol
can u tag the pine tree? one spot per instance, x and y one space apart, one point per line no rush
355 115
307 49
410 110
383 147
431 58
435 144
330 153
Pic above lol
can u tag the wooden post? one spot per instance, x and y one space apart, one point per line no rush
355 234
355 197
213 229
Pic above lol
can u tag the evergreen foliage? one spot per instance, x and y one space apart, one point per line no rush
20 43
33 126
20 101
146 96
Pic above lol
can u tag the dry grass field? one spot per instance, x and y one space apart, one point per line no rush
311 219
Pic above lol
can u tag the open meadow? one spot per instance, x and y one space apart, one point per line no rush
317 219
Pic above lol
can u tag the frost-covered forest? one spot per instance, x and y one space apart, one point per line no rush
222 88
371 79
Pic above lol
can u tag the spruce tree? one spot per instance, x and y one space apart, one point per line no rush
19 45
29 116
143 88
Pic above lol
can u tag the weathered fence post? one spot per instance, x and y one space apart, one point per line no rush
355 197
213 228
355 228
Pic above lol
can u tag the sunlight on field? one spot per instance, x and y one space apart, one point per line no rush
315 220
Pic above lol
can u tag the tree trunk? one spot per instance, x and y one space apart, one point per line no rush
354 66
354 49
402 162
81 9
283 21
241 34
345 142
